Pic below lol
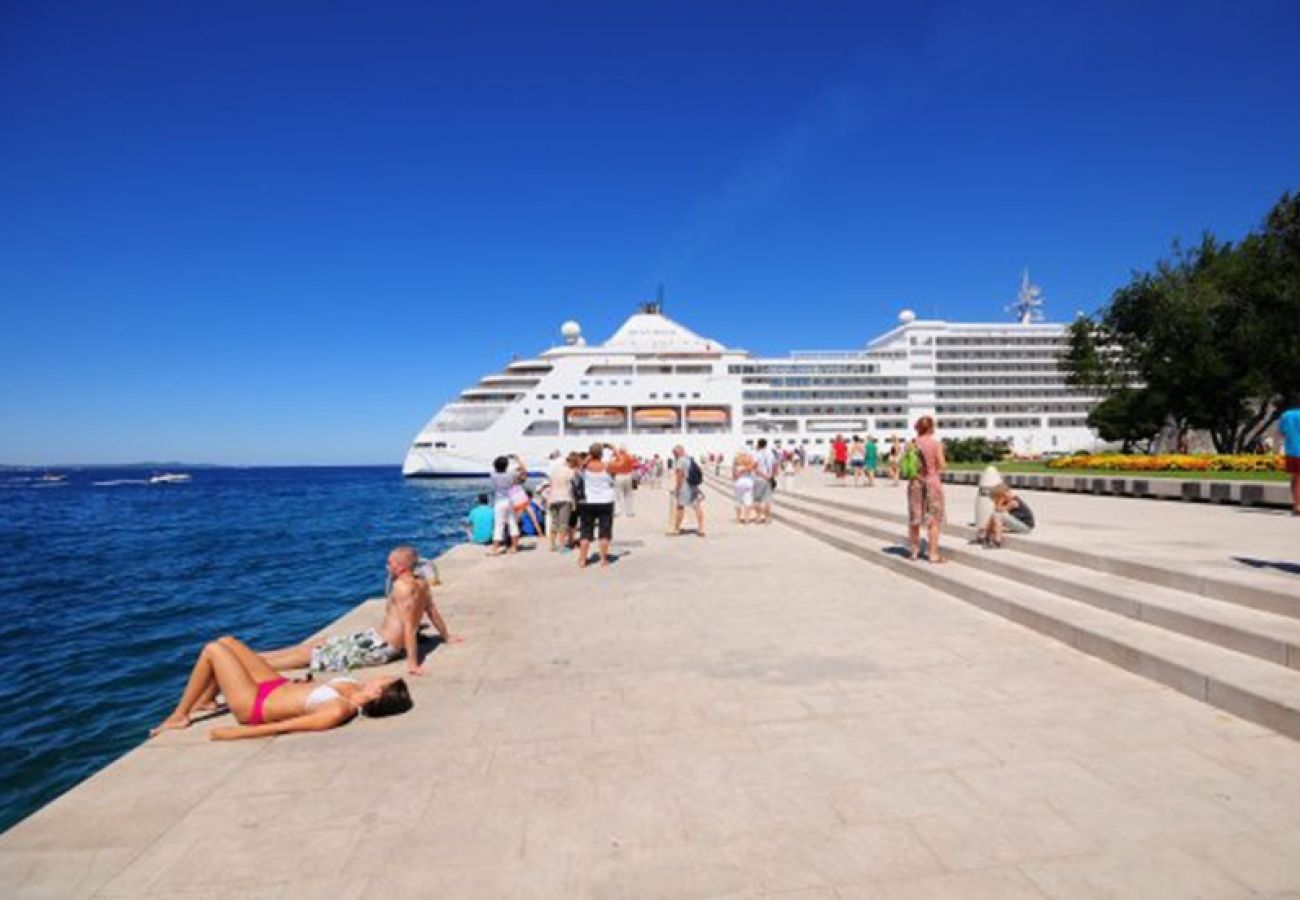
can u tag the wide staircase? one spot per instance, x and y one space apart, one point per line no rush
1232 645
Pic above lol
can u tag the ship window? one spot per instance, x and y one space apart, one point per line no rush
695 396
541 396
440 445
557 397
422 445
568 396
583 397
654 396
543 426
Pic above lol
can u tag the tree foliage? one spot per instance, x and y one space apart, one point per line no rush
1209 339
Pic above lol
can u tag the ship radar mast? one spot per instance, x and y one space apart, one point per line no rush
1028 307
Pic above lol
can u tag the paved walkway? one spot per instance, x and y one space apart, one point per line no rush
1249 545
745 715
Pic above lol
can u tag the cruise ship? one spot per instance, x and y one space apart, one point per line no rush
655 384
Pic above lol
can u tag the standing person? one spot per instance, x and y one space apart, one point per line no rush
895 454
561 474
595 507
505 476
839 456
478 524
765 465
742 474
1289 427
871 460
687 481
857 458
925 492
621 467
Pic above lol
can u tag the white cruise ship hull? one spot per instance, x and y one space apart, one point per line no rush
655 385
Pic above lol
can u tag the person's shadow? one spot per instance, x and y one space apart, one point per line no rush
1288 567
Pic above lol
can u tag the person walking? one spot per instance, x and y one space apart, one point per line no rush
765 465
742 474
622 467
595 508
895 455
687 482
839 456
871 460
925 507
857 458
1289 427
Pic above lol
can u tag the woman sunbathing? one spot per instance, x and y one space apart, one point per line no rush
266 703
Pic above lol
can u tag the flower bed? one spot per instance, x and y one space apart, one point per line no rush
1171 462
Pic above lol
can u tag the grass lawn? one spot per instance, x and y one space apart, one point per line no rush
1038 468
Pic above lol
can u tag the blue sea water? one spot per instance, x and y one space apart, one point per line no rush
109 586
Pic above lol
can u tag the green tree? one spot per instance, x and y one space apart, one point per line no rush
1209 339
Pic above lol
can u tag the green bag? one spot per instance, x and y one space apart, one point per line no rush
909 466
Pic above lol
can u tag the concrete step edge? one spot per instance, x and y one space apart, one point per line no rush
1263 599
1264 635
1251 689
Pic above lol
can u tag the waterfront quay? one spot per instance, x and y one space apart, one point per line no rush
768 711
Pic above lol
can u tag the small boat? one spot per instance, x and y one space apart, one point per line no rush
169 478
53 477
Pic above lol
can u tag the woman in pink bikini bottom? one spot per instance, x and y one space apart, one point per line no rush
267 703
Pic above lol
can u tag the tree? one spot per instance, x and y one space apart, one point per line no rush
1209 339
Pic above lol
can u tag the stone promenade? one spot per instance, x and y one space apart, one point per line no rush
751 714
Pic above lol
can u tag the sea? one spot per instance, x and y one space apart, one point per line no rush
110 585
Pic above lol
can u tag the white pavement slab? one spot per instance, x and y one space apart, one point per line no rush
748 714
1248 545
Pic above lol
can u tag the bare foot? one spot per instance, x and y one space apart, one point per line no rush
171 723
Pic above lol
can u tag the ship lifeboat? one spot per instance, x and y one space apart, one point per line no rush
596 417
708 415
656 416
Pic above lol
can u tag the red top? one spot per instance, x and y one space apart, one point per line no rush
840 449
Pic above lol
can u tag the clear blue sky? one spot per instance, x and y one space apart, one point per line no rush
287 232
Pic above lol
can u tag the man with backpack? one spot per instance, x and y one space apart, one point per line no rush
688 477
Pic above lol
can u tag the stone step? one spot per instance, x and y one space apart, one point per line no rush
1252 596
1267 636
1242 685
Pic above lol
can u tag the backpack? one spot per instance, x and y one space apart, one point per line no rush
579 488
909 466
694 475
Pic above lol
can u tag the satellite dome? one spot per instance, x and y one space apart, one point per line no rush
907 317
571 331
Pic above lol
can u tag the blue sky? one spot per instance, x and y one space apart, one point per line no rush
287 232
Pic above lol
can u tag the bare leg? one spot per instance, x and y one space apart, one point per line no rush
604 552
1295 495
934 543
913 541
699 519
217 665
583 546
298 657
